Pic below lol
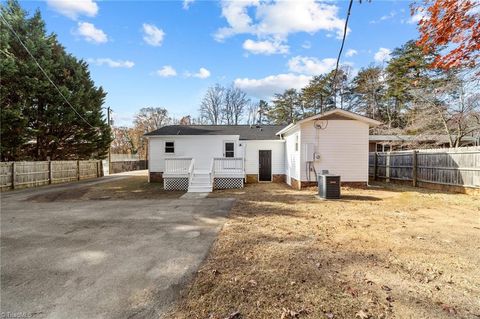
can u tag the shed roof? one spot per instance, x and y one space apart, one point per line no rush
246 132
335 114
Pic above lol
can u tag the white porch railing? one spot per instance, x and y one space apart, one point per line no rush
220 167
228 166
211 171
178 166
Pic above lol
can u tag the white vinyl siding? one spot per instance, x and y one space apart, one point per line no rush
252 147
203 148
292 157
342 146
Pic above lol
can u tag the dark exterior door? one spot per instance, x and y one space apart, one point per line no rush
265 165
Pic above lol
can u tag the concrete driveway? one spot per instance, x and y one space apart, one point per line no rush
101 258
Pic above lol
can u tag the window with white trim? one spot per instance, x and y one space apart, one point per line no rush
170 147
296 142
229 149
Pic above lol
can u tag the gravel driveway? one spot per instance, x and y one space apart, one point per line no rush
101 258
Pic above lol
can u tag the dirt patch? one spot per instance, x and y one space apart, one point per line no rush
388 252
133 187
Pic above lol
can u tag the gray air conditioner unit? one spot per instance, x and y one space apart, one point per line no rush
328 186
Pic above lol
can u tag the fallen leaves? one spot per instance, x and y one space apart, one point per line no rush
362 314
335 270
287 313
234 315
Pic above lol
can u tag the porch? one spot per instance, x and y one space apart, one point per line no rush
224 172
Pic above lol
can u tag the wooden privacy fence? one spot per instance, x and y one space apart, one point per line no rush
30 174
454 167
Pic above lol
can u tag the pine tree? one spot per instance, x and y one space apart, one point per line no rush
407 69
369 88
287 107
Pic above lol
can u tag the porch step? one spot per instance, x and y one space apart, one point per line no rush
199 189
200 182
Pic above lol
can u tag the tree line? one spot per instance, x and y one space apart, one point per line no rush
36 121
406 94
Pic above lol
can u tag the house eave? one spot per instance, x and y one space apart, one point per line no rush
353 116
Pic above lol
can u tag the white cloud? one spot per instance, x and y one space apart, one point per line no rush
167 71
351 52
113 63
278 19
265 47
201 74
187 3
74 8
306 45
382 55
266 87
414 19
153 35
389 16
90 33
310 65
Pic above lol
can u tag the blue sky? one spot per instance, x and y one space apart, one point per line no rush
167 53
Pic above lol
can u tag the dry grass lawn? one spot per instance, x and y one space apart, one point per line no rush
387 252
132 187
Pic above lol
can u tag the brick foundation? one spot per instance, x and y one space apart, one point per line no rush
252 178
295 184
276 178
305 184
156 177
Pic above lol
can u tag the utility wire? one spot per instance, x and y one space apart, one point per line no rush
343 43
43 71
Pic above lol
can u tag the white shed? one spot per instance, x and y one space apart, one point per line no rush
336 141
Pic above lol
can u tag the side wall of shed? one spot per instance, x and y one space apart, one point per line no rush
342 146
292 155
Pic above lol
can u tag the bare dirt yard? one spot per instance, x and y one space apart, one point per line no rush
385 252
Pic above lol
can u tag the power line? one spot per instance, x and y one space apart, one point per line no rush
43 71
345 29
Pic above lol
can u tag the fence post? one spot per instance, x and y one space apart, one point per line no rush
13 175
387 168
96 163
50 173
375 165
414 168
78 170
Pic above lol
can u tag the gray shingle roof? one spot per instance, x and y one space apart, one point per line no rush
246 132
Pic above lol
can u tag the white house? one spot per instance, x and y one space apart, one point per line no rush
200 158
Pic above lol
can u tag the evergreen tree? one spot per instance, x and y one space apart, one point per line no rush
317 96
408 69
36 122
287 107
369 89
263 112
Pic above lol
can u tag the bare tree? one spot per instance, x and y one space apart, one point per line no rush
186 120
151 118
252 113
235 101
123 141
148 119
450 108
212 104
